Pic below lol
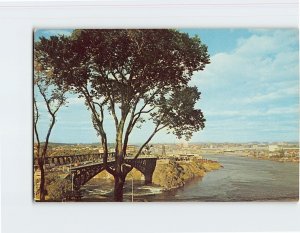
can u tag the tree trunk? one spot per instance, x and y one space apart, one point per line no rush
42 183
118 191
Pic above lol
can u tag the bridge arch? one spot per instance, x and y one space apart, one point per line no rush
104 175
145 165
82 174
136 174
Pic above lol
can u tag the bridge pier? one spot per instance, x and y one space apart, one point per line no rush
148 178
144 165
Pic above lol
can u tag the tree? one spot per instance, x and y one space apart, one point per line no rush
134 75
53 97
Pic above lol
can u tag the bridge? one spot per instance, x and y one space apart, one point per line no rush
84 167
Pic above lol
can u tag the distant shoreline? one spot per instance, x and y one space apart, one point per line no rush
246 155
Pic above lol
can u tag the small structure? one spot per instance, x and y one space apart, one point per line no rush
131 149
273 148
101 150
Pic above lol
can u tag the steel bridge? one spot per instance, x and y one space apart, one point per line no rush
84 167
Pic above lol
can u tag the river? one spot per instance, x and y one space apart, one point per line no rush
240 179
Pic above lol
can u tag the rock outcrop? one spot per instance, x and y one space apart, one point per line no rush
173 174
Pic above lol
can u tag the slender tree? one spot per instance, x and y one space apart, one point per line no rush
53 98
135 76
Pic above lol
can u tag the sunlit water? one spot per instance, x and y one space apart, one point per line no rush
241 179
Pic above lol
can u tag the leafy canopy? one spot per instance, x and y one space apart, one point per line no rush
143 74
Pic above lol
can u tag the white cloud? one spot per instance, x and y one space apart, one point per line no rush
267 42
256 57
253 88
249 93
251 113
282 93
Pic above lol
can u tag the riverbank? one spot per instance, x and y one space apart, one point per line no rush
259 155
173 174
278 159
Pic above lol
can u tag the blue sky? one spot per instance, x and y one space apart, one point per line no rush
250 91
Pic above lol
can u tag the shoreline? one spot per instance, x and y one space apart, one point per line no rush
247 155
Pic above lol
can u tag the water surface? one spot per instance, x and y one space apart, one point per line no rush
240 179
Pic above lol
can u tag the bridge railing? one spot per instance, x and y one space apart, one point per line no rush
60 160
72 159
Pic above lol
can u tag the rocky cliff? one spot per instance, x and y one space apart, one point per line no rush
173 174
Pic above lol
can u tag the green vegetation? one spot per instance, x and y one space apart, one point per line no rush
57 186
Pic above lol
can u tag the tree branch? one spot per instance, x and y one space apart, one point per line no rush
151 109
59 105
35 127
130 127
113 111
110 98
45 99
146 103
157 128
135 117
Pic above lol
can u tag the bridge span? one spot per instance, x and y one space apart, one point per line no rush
84 167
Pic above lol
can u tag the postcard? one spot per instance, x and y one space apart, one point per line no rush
165 115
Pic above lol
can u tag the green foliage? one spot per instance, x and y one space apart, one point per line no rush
126 67
56 186
178 112
53 98
136 75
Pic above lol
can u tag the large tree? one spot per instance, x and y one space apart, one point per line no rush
134 75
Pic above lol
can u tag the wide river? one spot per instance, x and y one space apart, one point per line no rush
240 179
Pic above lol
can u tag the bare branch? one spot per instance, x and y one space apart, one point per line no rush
110 99
36 118
146 103
157 129
58 106
113 111
130 124
148 111
45 99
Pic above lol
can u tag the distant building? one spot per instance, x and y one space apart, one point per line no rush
131 149
273 148
112 150
101 150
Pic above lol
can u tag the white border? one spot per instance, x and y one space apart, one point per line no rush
20 214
